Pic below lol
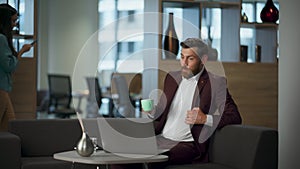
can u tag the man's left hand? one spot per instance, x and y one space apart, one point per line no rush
195 116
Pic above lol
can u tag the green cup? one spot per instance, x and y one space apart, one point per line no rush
147 104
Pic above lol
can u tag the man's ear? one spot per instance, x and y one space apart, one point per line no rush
204 58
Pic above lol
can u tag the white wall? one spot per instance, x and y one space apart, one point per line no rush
289 83
150 48
64 28
42 44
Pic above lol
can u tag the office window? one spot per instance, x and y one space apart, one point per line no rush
211 27
119 22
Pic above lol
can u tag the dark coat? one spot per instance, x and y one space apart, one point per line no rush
212 96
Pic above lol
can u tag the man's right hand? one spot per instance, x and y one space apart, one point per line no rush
149 113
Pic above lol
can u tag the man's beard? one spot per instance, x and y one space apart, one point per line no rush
186 72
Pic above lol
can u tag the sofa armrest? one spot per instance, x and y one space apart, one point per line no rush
10 151
245 147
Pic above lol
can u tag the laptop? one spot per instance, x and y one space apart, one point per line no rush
130 137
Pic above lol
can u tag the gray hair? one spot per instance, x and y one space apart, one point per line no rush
199 46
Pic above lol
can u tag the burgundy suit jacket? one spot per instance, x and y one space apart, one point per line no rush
212 96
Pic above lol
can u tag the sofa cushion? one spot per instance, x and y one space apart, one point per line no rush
51 163
46 136
245 147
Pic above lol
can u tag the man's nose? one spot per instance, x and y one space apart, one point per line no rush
185 62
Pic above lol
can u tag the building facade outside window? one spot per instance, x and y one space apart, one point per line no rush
121 40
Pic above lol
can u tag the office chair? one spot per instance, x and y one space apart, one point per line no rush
123 104
42 100
60 96
95 96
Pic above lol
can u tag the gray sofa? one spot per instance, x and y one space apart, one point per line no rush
30 144
240 147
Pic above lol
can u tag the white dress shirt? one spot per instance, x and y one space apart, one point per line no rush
175 127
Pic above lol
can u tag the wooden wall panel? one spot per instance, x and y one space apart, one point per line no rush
23 95
255 90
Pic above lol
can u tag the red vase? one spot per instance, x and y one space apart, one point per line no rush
269 13
171 42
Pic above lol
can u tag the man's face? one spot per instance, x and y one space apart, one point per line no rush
190 63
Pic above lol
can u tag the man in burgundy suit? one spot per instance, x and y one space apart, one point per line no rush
195 103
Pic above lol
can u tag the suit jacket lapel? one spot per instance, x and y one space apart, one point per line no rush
173 88
201 83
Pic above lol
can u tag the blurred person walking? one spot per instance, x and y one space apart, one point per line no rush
9 59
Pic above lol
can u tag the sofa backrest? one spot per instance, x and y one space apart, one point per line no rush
46 136
245 147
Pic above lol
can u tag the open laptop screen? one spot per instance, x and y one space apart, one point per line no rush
128 135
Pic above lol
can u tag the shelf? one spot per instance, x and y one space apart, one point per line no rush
180 4
21 36
258 25
194 11
206 4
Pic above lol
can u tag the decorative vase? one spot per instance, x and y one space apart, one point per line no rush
171 42
269 13
85 146
244 18
257 53
244 53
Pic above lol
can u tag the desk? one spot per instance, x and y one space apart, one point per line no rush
80 94
112 97
114 102
101 157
